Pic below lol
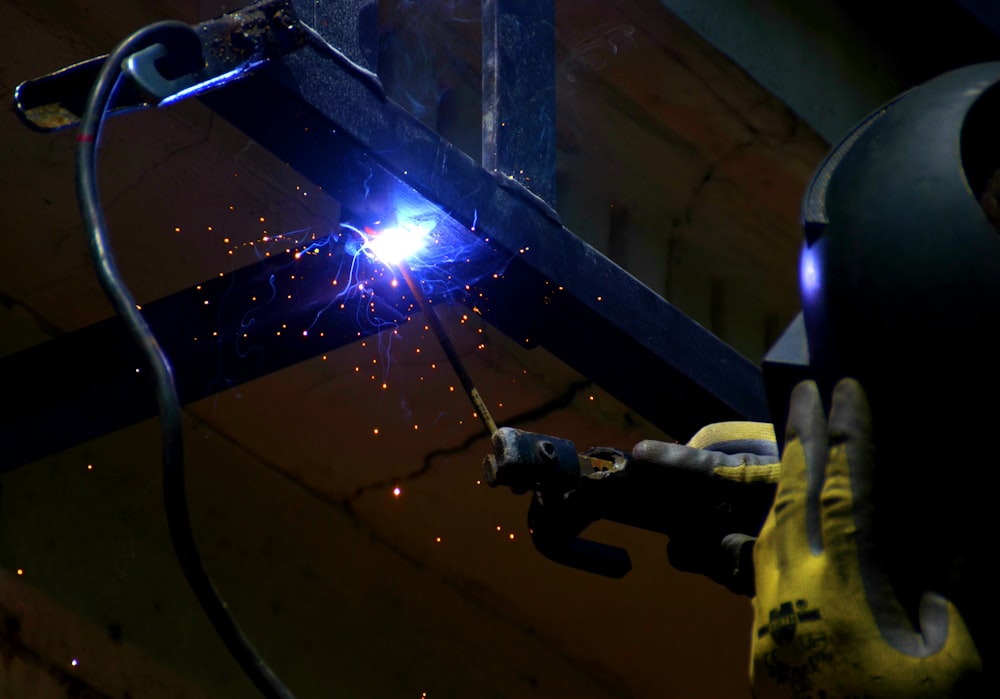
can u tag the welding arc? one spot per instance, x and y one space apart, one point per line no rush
449 349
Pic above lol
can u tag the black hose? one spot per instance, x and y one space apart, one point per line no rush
174 494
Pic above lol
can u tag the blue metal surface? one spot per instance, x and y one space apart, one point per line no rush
325 114
519 93
559 292
218 335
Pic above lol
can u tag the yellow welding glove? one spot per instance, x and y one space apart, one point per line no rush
716 492
734 452
826 620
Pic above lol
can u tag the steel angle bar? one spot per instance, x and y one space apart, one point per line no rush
219 334
323 111
551 289
519 93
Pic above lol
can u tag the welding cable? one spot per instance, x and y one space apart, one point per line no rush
175 499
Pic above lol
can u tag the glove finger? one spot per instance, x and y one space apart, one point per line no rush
846 495
846 508
728 562
849 527
737 437
796 505
741 451
660 453
682 459
940 623
737 552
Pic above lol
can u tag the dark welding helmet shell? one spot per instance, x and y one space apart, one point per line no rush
900 285
900 268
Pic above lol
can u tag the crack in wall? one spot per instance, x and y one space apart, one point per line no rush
561 401
685 221
44 324
160 162
49 26
468 588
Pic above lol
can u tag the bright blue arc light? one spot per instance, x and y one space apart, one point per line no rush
397 243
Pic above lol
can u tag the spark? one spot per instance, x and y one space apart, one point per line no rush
367 252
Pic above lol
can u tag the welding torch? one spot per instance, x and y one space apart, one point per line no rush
573 489
449 349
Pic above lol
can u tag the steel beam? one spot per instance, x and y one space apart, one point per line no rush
217 335
519 93
528 275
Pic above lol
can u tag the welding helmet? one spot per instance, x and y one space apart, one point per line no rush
900 286
900 269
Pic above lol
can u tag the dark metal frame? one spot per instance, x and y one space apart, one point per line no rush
321 109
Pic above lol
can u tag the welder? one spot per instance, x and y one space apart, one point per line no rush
872 572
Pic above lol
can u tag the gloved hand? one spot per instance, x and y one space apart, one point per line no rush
826 620
726 476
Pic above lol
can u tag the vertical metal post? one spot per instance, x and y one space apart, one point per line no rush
349 25
519 95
